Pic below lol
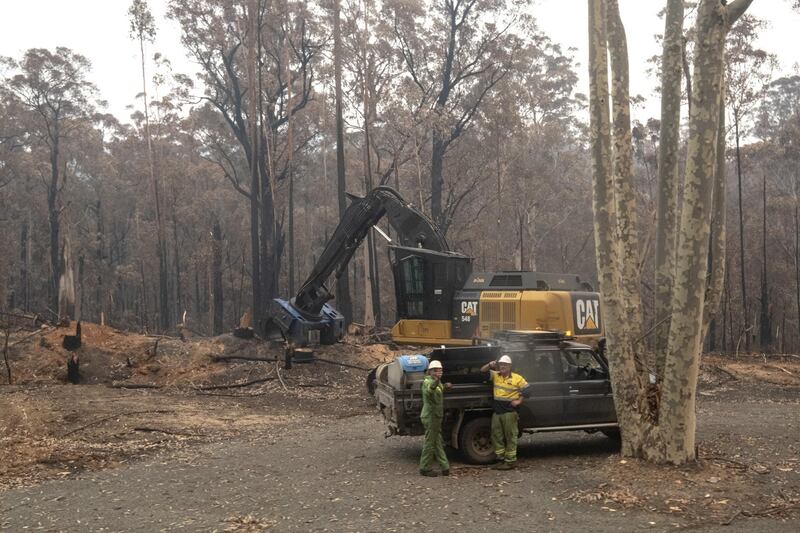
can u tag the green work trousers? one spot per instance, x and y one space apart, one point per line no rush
504 436
433 447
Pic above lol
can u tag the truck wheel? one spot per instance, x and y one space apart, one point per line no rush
371 377
475 441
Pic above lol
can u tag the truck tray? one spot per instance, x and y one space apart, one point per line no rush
462 365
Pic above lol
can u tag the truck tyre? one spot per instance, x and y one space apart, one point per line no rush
475 440
371 377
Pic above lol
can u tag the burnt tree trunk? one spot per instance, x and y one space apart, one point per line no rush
79 296
270 256
289 149
765 331
746 323
253 161
178 293
54 220
99 257
343 299
144 309
24 266
198 309
726 308
161 250
372 303
438 150
797 259
217 305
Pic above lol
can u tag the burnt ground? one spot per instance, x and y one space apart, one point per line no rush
304 451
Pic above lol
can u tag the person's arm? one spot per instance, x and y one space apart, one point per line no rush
491 365
427 385
524 391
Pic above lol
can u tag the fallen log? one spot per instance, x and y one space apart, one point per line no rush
229 395
731 375
166 432
235 385
37 332
244 358
120 385
118 415
781 369
339 363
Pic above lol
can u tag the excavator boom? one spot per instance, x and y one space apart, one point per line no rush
307 318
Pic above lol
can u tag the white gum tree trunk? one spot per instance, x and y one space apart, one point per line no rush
621 356
678 394
669 145
658 431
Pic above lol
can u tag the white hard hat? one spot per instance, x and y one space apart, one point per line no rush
504 359
434 364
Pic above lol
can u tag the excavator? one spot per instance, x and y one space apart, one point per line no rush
441 299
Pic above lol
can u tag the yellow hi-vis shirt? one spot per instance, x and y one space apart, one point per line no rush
507 389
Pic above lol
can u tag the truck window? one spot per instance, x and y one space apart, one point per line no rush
539 366
581 364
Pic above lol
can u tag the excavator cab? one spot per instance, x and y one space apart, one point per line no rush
427 286
426 281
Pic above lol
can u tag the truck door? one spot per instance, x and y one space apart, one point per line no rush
587 389
542 370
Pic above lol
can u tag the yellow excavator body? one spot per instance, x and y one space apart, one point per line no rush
512 310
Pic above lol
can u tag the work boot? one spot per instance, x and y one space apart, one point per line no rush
428 473
446 472
505 466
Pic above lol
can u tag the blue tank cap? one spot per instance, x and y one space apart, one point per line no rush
413 363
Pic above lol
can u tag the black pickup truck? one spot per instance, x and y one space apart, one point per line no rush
570 390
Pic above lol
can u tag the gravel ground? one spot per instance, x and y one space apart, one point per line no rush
305 452
339 474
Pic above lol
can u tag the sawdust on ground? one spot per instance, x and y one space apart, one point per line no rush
142 394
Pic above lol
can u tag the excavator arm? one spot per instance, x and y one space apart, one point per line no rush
307 318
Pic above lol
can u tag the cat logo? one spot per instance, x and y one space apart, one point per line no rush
469 308
587 313
478 280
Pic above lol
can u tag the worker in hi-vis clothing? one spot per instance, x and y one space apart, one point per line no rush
432 414
509 389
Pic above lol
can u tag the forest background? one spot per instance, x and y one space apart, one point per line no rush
148 212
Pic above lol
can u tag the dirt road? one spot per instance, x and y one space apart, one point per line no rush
214 442
337 473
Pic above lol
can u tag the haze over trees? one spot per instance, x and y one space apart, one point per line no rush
212 198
